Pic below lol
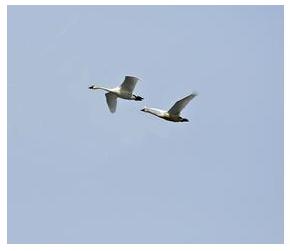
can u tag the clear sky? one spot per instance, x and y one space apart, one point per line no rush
79 174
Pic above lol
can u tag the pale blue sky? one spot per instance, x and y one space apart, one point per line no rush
79 174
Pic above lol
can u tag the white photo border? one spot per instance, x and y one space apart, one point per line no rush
128 247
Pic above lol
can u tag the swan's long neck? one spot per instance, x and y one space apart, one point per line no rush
155 111
94 87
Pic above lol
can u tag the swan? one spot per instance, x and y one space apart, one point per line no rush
173 114
124 91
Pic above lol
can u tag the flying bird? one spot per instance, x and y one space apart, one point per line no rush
124 91
173 114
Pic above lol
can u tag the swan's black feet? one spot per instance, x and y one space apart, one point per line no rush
138 98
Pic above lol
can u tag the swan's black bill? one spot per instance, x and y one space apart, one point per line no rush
143 110
91 87
138 98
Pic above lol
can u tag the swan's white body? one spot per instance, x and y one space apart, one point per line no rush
124 91
173 114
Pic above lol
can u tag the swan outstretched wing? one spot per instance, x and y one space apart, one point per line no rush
111 101
179 105
129 83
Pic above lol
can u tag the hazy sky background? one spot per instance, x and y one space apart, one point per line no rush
79 174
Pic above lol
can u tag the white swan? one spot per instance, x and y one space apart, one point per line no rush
125 91
173 114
